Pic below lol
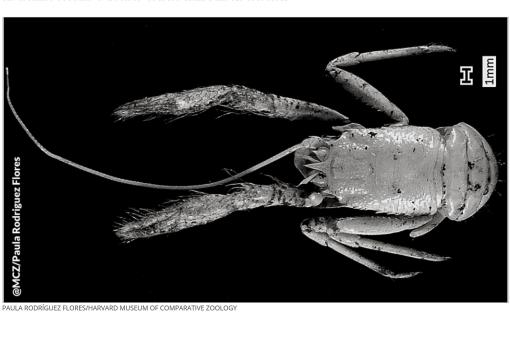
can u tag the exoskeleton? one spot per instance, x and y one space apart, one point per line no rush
411 177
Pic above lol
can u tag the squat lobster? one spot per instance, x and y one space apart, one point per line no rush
415 176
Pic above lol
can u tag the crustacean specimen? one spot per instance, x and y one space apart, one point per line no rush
411 177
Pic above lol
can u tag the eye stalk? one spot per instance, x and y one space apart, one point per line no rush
470 171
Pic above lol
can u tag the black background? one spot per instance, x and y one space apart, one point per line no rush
67 76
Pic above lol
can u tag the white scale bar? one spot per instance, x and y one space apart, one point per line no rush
489 71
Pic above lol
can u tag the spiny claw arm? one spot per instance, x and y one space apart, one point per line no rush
205 208
236 98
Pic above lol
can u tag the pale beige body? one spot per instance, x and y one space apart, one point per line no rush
393 170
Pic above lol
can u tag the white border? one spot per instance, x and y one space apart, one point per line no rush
252 8
255 321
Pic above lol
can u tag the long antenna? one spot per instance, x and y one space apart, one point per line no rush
138 183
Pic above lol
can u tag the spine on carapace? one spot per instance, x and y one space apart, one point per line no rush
205 208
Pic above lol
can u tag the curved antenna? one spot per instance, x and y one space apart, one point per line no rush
144 184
